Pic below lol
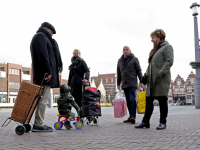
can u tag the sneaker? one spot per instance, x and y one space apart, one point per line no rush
128 120
67 124
43 128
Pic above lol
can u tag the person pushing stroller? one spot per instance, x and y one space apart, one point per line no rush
65 101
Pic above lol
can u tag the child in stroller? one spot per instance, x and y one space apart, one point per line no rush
65 101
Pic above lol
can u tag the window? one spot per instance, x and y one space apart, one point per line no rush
192 80
178 82
188 96
13 71
193 97
10 71
111 80
182 89
13 85
106 80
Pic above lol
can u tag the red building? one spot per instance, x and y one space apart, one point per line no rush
109 82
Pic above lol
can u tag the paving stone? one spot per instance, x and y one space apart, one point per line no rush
182 133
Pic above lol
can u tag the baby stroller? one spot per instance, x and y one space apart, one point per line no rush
91 108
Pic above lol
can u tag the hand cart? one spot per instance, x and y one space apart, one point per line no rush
25 104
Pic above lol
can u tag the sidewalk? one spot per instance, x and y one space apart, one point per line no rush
183 132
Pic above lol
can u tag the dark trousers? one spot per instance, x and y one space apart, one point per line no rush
149 109
77 98
130 100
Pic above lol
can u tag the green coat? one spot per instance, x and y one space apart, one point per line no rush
158 72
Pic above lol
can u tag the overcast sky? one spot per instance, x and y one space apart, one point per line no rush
100 29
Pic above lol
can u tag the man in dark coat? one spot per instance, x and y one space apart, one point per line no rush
128 69
79 74
45 59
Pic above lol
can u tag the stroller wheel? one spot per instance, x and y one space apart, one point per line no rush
28 127
20 129
95 121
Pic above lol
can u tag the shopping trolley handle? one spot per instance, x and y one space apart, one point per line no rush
44 78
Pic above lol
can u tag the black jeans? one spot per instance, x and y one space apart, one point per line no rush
149 109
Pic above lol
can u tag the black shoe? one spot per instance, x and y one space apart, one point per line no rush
143 125
43 128
161 126
133 120
67 124
70 125
128 120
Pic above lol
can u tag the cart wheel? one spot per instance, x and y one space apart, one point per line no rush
20 129
57 125
28 127
78 125
95 120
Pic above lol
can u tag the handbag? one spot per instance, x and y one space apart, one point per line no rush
144 79
141 102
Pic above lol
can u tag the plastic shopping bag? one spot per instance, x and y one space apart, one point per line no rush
141 102
120 107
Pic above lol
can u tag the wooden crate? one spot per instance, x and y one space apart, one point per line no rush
25 102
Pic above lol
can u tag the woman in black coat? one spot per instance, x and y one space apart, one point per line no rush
79 74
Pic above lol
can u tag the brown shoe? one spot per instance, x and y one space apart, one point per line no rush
128 120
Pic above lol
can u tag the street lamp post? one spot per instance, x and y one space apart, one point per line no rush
196 64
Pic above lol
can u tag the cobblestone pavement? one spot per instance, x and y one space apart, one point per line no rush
183 132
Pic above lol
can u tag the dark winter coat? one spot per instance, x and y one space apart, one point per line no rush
44 58
127 72
159 75
75 82
64 104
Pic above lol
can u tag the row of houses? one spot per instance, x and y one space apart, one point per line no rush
11 75
183 91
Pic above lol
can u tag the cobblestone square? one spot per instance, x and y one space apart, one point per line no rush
183 132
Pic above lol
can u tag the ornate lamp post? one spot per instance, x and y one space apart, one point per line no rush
196 63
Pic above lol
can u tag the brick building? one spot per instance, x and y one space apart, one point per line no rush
171 91
181 91
189 89
109 82
11 76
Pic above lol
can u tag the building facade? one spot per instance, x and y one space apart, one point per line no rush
182 91
11 76
189 89
109 82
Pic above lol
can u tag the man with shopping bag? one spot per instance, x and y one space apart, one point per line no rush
128 69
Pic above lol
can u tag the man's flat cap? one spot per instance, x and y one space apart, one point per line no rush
48 25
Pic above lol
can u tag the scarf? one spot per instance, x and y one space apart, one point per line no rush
56 50
155 48
75 60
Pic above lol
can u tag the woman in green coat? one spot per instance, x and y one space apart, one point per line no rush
158 78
